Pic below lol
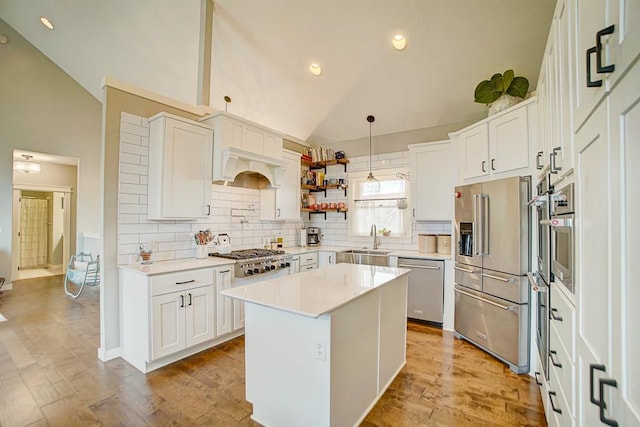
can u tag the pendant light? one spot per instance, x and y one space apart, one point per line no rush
371 183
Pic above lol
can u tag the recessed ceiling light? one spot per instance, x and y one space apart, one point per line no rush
399 42
315 69
46 22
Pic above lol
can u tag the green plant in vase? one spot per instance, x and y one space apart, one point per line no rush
502 91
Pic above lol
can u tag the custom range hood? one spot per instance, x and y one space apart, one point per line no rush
241 147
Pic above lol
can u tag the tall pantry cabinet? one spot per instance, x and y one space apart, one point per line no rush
591 104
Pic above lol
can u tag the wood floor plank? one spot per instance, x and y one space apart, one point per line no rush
60 381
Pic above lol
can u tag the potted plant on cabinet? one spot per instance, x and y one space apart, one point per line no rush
384 231
502 91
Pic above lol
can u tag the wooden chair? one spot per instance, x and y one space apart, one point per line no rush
82 270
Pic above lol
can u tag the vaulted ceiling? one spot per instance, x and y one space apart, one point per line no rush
261 51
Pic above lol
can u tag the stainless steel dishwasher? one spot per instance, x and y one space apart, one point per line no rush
426 289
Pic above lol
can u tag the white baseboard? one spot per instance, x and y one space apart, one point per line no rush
106 355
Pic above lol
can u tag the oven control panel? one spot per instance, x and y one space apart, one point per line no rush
246 268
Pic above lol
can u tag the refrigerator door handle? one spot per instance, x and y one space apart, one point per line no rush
477 225
485 224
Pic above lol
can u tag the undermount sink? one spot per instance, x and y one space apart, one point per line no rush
365 252
363 256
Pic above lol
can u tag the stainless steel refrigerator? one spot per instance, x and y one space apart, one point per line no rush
491 263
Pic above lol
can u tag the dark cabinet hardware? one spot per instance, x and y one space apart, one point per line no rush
538 157
185 282
554 316
599 67
537 374
553 353
554 154
278 215
224 271
181 301
190 302
602 405
484 163
592 368
208 210
553 406
493 164
591 83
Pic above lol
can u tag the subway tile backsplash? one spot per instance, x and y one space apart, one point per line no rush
174 239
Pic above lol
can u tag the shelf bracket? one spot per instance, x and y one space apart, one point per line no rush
319 212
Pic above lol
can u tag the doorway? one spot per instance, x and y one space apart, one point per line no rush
44 220
43 217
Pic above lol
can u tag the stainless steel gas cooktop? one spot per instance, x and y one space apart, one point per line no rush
250 254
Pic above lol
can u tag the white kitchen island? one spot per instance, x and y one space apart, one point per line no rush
322 346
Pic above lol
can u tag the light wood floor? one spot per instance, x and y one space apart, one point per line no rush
50 375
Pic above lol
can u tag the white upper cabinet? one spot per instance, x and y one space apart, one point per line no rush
508 142
499 145
180 162
283 203
474 151
606 38
433 177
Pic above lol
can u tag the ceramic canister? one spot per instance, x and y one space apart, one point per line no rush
444 244
427 243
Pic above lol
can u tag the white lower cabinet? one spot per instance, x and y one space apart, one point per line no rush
181 319
308 261
326 258
224 305
295 264
169 316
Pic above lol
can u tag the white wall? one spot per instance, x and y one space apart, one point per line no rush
43 110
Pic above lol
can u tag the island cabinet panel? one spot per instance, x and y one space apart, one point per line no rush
328 370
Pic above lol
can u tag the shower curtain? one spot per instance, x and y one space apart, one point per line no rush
33 232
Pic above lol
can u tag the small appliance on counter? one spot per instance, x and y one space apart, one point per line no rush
224 243
313 236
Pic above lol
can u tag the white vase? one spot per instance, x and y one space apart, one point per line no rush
201 251
505 101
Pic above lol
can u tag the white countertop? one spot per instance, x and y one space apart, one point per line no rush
316 292
161 267
296 250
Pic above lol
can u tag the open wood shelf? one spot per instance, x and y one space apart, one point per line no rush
324 211
323 164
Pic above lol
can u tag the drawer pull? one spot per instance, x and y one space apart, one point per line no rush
554 316
612 383
502 279
504 307
592 368
551 395
186 282
427 267
599 67
466 270
553 361
537 374
591 83
224 271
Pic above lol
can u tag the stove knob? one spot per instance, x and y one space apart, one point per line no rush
249 272
266 269
288 264
273 267
282 265
256 271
